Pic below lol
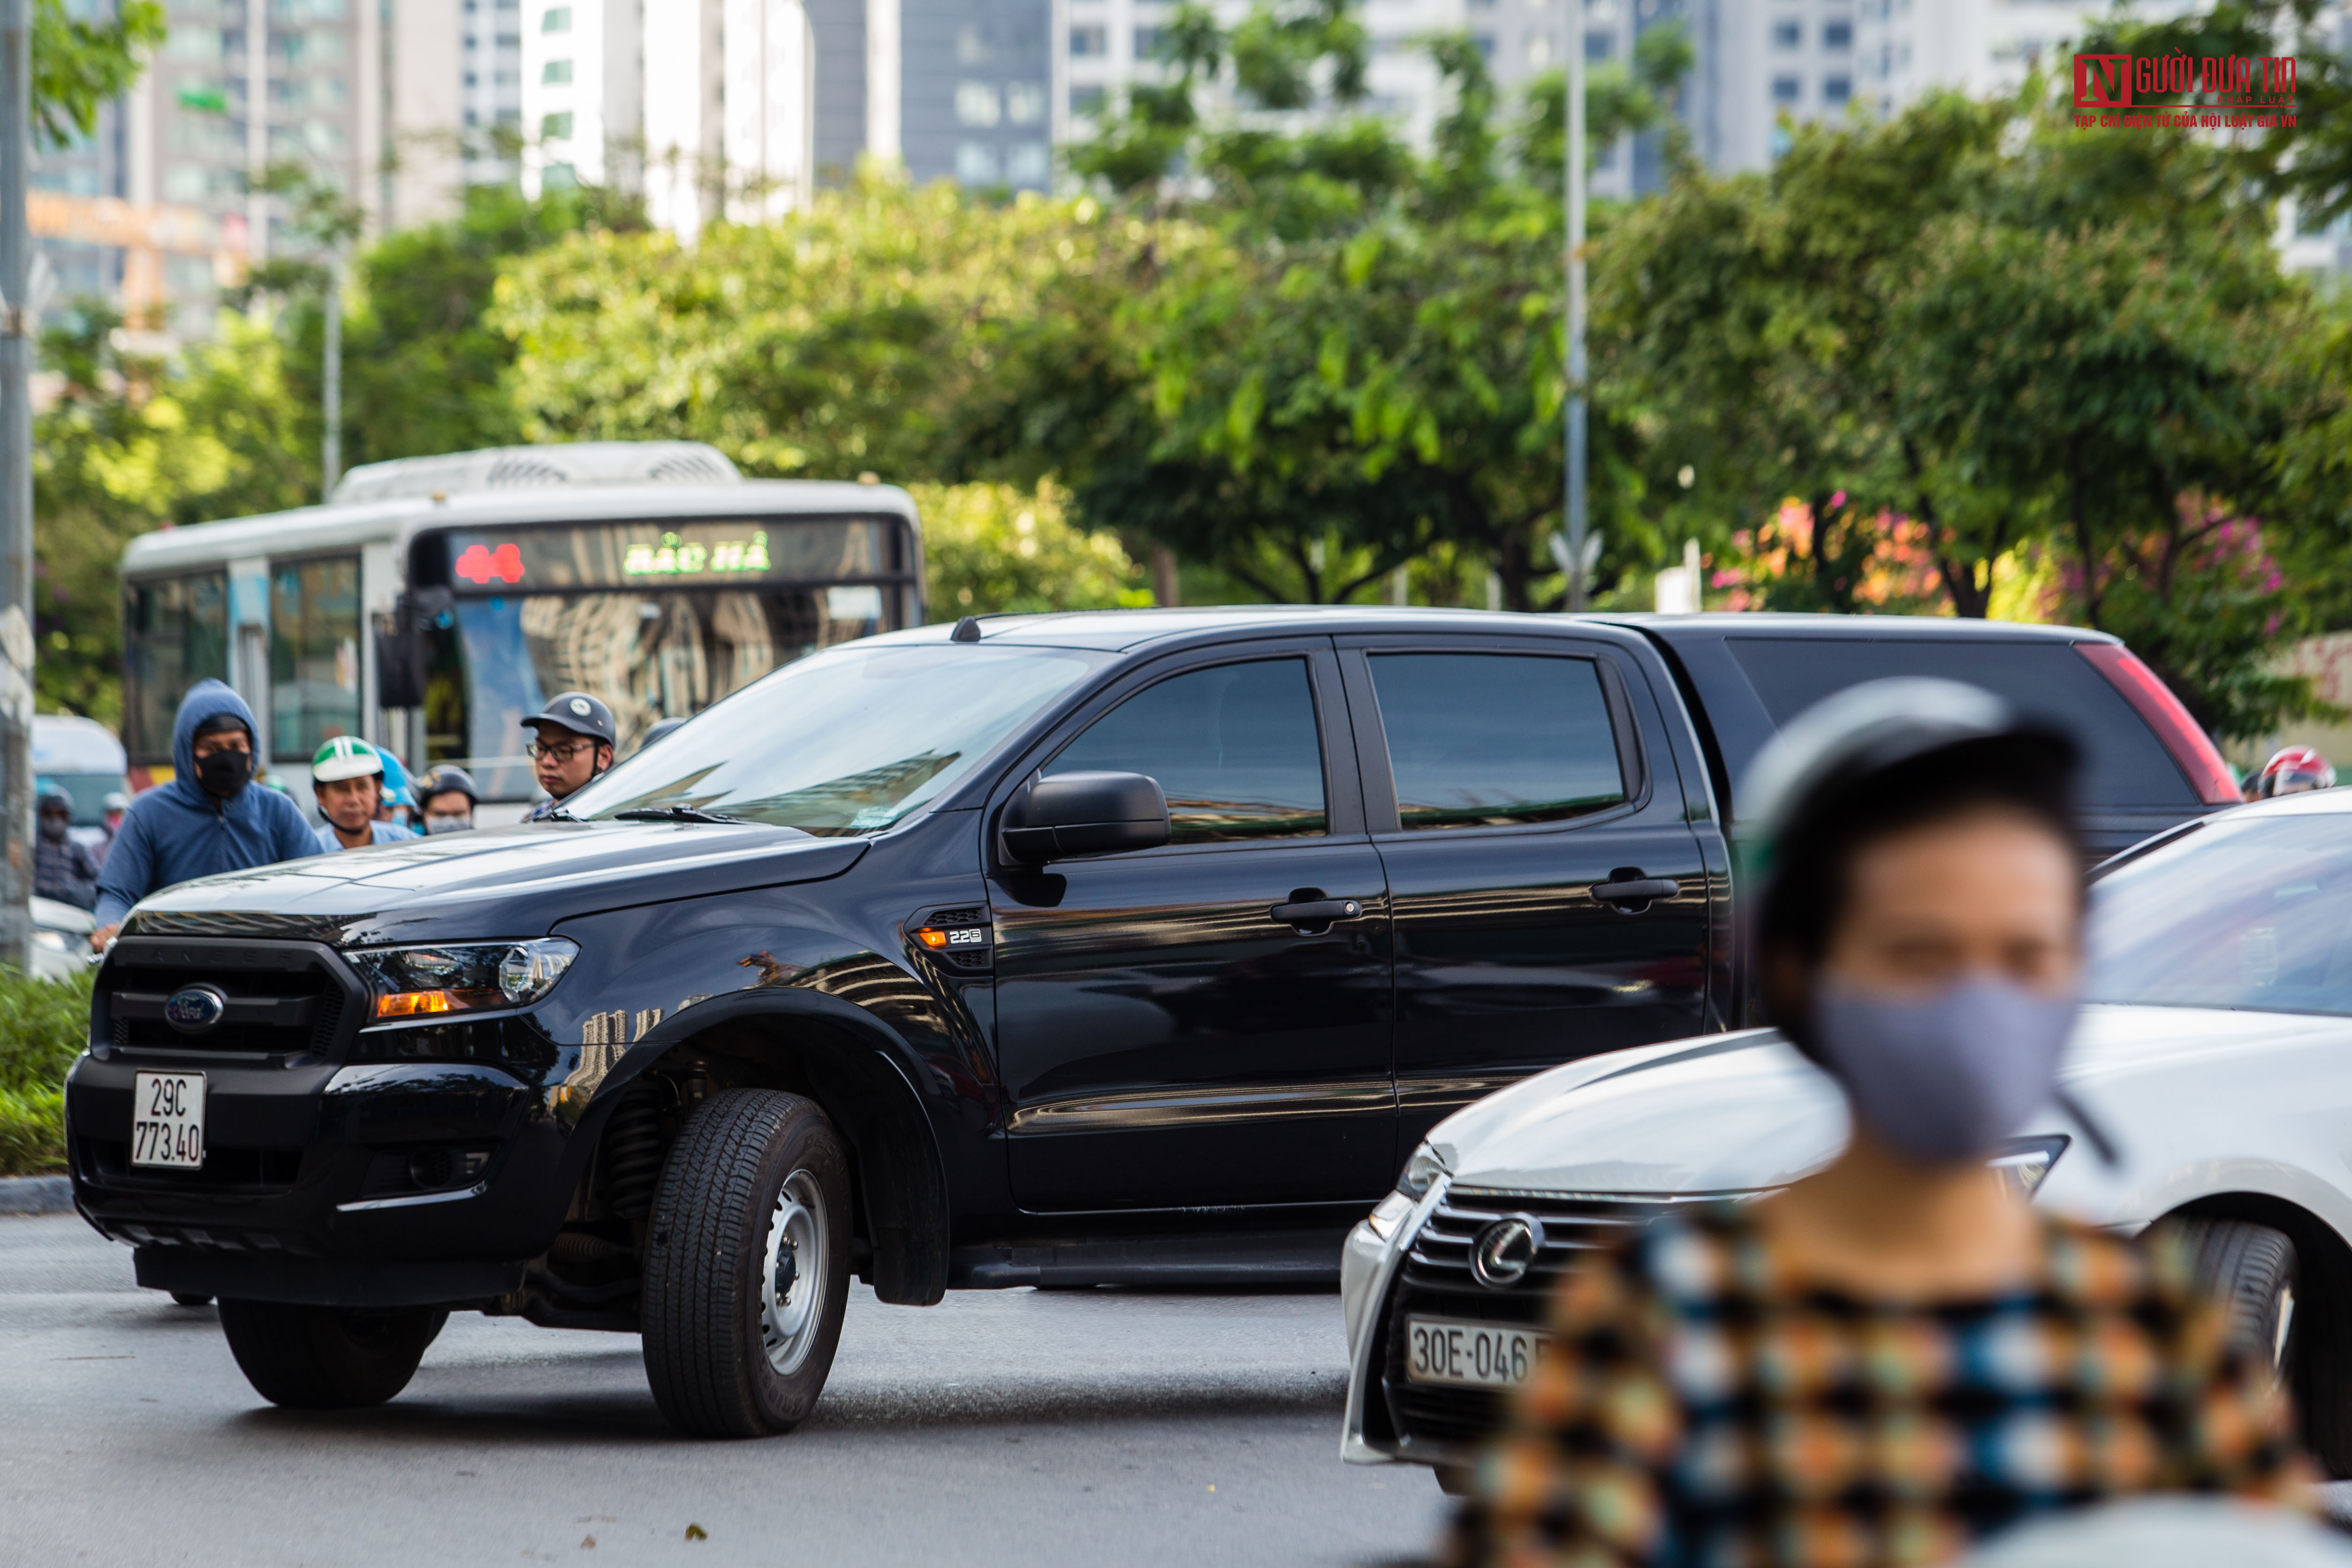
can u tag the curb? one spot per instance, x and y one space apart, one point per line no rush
37 1195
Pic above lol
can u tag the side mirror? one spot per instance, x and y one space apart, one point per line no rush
1085 814
400 653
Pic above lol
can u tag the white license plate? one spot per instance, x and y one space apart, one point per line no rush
167 1120
1469 1355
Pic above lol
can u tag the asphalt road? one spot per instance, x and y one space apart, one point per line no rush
1012 1426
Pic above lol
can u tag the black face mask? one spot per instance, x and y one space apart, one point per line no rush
224 773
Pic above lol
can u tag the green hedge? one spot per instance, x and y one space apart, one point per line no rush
43 1026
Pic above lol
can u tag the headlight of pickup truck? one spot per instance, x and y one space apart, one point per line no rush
419 982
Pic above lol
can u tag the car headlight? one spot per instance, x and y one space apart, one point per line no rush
2023 1162
1421 1172
1393 1212
418 982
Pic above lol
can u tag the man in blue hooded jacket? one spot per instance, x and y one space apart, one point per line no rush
208 820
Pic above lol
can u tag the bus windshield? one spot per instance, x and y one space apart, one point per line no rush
658 618
848 742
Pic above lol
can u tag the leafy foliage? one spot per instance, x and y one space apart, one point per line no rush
78 64
44 1025
996 549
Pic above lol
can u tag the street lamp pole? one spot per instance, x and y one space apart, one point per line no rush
1577 521
19 313
331 444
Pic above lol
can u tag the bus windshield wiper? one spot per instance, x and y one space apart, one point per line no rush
672 815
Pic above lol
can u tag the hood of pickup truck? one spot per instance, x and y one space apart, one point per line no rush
492 883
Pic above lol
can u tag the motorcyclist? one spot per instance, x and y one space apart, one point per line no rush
576 736
450 798
112 809
204 822
2291 770
347 775
62 869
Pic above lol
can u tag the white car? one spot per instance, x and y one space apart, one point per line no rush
2211 1083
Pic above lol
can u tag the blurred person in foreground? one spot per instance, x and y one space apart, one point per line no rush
347 775
576 736
1895 1356
450 798
208 818
2292 770
62 869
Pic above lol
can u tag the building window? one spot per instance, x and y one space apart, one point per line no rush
1085 101
557 20
1787 34
556 127
1786 91
1147 43
559 176
976 164
976 104
1024 102
1600 45
1486 46
555 72
1028 163
1837 35
1089 43
1836 91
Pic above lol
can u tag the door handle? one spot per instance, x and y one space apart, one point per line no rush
1637 891
1318 912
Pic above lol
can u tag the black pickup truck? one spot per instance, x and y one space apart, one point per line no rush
1059 950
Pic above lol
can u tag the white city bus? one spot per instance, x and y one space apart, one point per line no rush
433 601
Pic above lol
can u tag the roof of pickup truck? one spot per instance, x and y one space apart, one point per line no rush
1124 630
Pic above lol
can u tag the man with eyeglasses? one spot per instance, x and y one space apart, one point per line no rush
576 735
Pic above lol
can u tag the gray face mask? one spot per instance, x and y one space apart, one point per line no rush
1943 1078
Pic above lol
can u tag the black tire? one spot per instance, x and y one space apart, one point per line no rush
190 1298
2252 1270
327 1358
726 1354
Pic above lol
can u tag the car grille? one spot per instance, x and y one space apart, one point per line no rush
284 998
1445 1425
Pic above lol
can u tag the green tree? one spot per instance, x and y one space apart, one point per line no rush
80 64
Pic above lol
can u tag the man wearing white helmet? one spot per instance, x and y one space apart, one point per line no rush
347 774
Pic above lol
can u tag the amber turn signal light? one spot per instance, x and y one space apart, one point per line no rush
932 936
410 1004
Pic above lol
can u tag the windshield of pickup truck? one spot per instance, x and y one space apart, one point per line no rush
841 743
2252 912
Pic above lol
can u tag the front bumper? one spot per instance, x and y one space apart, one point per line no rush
325 1178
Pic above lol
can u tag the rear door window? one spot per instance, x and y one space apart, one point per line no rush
2124 763
1236 750
1486 739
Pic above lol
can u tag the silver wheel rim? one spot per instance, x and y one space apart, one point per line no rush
796 1229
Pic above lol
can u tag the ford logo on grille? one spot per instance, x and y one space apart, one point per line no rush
1505 1251
192 1010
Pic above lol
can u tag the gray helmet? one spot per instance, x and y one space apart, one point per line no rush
1840 742
53 795
116 800
446 778
579 713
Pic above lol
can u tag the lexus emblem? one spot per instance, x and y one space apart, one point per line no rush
1505 1251
192 1010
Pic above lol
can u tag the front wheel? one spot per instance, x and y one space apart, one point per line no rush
327 1358
747 1265
2252 1271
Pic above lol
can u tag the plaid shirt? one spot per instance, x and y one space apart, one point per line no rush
1698 1410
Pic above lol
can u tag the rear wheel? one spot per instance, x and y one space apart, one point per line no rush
747 1266
328 1358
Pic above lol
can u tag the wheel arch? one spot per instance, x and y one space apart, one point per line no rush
2323 1370
864 1074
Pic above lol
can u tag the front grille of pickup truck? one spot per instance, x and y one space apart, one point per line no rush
1443 1424
282 999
